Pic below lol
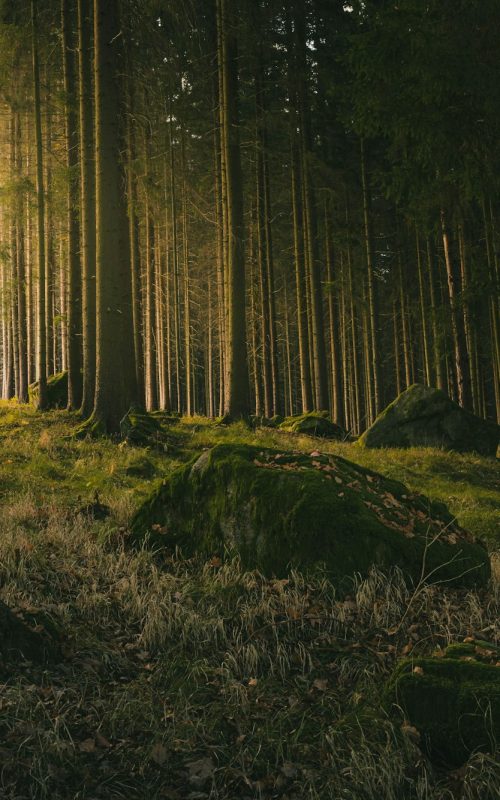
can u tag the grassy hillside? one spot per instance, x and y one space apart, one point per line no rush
180 679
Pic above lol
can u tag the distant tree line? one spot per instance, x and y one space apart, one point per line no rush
250 206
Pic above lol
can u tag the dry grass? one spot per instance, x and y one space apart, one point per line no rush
190 681
187 680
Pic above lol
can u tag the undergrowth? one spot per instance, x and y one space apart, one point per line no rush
185 679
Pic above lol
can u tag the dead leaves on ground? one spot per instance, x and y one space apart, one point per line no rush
408 514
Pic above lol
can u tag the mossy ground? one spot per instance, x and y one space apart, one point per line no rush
189 679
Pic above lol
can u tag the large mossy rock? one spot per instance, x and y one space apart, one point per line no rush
453 701
140 428
57 391
315 423
425 417
277 510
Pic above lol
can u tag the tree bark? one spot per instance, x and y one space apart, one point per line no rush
461 360
75 384
87 202
237 390
116 377
41 355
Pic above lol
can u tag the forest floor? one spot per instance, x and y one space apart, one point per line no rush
183 680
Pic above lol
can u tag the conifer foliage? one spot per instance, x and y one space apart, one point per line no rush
229 207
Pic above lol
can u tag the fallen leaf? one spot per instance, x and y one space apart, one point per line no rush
101 741
410 731
200 771
159 754
87 746
289 770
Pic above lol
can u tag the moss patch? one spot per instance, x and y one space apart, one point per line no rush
281 510
57 391
315 423
425 417
454 702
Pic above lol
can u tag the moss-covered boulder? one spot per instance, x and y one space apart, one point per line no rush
57 391
314 423
277 510
140 428
276 421
453 701
426 417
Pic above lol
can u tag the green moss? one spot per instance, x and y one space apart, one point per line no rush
453 703
139 427
476 649
314 423
426 417
57 391
277 510
92 428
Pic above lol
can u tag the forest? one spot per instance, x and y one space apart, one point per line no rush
249 399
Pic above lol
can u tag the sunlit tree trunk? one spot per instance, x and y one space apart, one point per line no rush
87 202
50 260
374 364
237 391
461 356
75 384
20 270
41 354
116 377
336 376
423 308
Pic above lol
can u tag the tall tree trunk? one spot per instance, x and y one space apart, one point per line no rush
135 258
461 364
374 362
237 390
469 326
336 377
165 283
150 348
87 202
116 377
396 342
405 324
75 383
175 266
300 283
423 313
41 355
494 303
22 353
356 367
186 287
436 336
50 272
263 282
318 350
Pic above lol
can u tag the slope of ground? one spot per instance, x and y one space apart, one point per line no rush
181 679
